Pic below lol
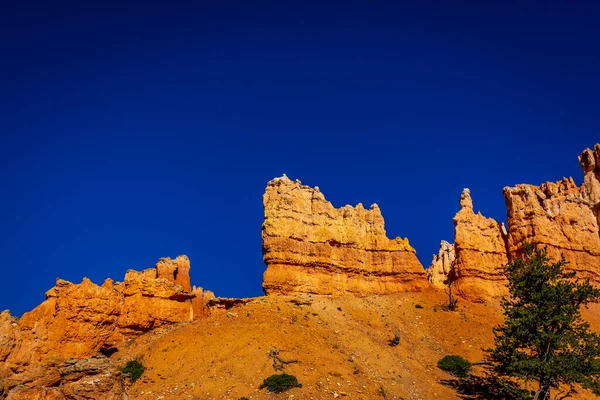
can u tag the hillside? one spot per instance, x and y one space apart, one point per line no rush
337 290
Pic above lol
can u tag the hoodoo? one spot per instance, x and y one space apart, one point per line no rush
310 246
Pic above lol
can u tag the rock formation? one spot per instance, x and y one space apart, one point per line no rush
441 265
81 320
176 271
89 378
561 216
473 264
309 246
200 302
480 246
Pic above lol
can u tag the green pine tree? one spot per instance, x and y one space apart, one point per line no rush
544 338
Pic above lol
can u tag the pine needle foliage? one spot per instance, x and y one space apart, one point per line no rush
544 338
134 369
280 383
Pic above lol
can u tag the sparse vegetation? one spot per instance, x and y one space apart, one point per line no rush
278 362
396 340
455 365
280 383
134 369
382 392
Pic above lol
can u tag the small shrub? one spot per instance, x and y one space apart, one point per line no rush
418 306
394 342
280 383
455 365
134 369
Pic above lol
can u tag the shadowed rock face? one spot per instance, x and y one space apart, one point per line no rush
309 246
89 378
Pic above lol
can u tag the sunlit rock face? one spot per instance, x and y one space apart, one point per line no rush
561 216
77 321
480 246
176 271
309 246
441 265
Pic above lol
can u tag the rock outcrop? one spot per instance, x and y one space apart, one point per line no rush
80 320
441 265
89 378
473 264
561 216
176 271
480 246
309 246
200 306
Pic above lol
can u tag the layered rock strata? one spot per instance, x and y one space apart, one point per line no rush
480 246
309 246
561 216
558 215
81 320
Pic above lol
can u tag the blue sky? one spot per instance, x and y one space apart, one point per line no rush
135 131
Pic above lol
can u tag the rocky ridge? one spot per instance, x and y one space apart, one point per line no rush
559 215
309 246
77 321
62 348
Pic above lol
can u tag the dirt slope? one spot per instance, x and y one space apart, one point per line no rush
341 345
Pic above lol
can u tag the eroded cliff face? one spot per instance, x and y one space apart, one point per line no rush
309 246
474 263
561 216
94 377
77 321
441 265
480 245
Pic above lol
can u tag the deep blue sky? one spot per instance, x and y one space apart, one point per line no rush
136 131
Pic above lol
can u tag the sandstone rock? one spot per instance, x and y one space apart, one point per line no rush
480 246
441 265
200 302
74 321
80 320
562 217
7 334
309 246
176 271
89 378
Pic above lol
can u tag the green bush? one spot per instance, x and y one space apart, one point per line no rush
280 383
455 365
134 369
